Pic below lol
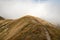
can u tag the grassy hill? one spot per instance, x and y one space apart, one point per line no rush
28 28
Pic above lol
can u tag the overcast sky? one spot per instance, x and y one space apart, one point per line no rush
45 9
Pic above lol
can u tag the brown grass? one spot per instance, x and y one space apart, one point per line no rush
28 28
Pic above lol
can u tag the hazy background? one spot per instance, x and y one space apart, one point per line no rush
46 9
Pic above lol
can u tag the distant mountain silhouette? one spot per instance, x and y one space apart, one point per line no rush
28 28
1 18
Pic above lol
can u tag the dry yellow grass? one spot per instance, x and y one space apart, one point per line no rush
28 28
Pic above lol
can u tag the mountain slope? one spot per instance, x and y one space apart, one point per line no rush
28 28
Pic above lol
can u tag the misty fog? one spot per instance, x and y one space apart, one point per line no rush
48 10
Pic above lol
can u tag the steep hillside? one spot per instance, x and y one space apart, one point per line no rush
28 28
